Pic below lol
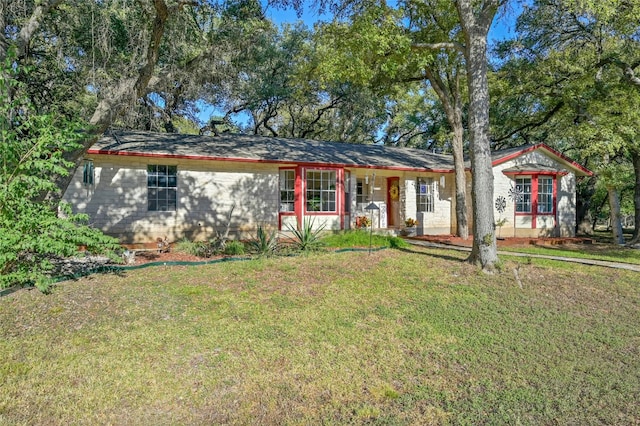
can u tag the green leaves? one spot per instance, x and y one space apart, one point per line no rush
307 237
371 46
32 235
265 243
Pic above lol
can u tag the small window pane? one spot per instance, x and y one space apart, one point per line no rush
545 195
523 195
321 191
161 183
425 195
287 190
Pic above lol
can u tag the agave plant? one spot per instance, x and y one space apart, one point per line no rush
306 238
265 243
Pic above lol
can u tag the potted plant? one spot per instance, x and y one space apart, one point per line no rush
410 227
363 222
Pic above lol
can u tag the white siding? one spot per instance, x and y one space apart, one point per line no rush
567 205
207 190
117 203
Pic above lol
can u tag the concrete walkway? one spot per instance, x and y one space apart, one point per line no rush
605 263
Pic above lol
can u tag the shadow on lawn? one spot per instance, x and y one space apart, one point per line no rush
439 256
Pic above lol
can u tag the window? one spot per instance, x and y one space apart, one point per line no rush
347 192
162 183
287 190
545 195
87 173
362 191
424 195
321 191
523 198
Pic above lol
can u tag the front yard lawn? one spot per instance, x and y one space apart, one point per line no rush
412 336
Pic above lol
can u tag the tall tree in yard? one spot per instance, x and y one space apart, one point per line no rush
72 27
475 19
395 48
435 31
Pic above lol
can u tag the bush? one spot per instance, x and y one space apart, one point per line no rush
234 248
32 235
361 238
32 241
193 248
397 242
208 249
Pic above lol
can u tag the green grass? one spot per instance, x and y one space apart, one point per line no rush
362 238
413 336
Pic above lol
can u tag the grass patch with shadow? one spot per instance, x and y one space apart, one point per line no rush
394 337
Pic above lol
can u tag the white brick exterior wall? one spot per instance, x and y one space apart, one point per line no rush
442 219
562 224
117 202
206 191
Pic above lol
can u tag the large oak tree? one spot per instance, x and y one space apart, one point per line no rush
101 59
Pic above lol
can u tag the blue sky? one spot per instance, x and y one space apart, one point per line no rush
503 27
503 24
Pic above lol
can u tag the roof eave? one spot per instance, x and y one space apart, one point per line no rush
580 170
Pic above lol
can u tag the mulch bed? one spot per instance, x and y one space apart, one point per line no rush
148 253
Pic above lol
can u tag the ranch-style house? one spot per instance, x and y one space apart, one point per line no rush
140 186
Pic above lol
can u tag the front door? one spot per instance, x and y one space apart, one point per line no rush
393 201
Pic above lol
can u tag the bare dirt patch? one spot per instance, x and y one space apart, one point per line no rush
149 253
170 256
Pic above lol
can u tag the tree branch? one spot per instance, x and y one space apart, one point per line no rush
125 92
452 45
132 88
319 113
32 25
627 69
538 123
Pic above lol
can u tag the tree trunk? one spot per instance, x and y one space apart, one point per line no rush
635 159
4 44
614 215
450 96
475 30
460 176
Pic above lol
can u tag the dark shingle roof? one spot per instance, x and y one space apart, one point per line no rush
269 149
522 168
497 155
294 151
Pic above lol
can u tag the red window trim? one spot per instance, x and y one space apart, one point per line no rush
339 190
534 196
300 209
